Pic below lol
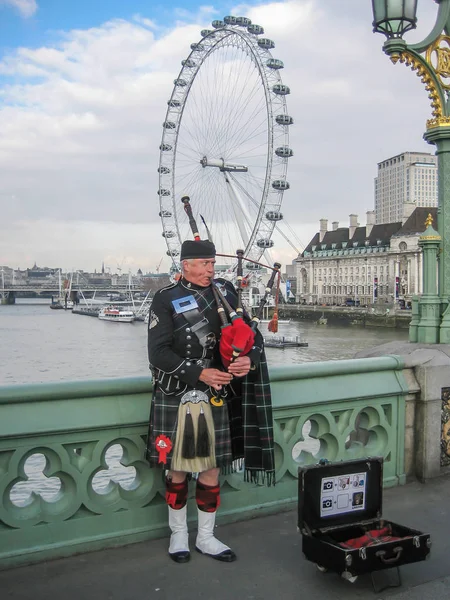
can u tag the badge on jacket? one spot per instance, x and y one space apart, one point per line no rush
153 320
182 305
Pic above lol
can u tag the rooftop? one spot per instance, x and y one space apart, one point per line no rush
380 235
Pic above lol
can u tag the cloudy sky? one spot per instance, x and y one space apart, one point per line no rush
83 93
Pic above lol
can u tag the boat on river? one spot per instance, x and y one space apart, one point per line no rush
116 314
64 298
282 341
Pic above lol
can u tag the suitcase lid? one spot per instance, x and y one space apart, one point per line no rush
341 493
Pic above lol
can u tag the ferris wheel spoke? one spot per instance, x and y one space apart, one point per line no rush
211 102
243 117
237 127
228 110
242 135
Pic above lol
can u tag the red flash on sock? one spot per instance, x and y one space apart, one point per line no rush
176 494
207 497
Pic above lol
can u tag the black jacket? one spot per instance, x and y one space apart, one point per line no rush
175 352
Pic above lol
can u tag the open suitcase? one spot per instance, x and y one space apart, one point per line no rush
339 517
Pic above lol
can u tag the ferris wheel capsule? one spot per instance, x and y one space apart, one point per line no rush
274 63
255 29
164 170
274 215
174 103
197 47
281 89
188 63
280 184
230 20
165 214
163 192
217 24
266 43
284 120
243 21
165 147
265 243
173 252
284 152
169 125
180 82
168 234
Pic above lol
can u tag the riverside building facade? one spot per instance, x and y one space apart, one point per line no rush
410 178
363 265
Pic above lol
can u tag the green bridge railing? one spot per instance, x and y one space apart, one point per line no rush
336 410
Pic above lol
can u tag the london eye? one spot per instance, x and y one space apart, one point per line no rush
225 141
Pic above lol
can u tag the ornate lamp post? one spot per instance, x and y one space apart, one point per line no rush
430 59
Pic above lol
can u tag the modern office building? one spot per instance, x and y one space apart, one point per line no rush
406 179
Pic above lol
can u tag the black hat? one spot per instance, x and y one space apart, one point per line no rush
200 249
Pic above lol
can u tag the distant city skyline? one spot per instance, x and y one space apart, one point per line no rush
54 268
83 94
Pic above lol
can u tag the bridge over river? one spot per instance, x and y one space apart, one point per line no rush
9 293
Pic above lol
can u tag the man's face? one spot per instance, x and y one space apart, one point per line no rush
199 270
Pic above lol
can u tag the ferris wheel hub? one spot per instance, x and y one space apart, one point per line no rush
222 165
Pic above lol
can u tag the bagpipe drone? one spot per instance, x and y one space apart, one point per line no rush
237 337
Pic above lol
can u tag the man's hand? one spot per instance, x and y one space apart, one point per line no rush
215 378
240 367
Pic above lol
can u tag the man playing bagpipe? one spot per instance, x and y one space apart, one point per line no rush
206 418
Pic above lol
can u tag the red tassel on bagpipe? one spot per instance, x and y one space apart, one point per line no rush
273 324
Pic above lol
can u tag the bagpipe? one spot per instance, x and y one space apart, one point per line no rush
237 336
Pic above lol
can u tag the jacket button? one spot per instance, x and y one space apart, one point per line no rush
188 364
188 330
176 376
182 371
188 337
188 346
188 352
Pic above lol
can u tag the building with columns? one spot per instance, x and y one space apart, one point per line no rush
375 263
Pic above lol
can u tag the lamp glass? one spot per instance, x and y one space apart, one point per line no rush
394 17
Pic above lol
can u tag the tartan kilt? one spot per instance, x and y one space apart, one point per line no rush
164 420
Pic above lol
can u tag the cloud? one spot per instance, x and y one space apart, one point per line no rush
27 8
72 245
81 123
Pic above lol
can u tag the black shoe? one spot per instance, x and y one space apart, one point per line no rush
225 556
181 557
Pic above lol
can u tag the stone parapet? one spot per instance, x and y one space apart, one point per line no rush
73 476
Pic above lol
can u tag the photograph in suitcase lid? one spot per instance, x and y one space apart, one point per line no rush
340 493
343 494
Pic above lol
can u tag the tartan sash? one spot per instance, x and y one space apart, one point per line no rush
252 426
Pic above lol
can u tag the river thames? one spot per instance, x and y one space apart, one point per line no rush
43 345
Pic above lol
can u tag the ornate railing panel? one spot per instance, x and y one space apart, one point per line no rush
73 475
